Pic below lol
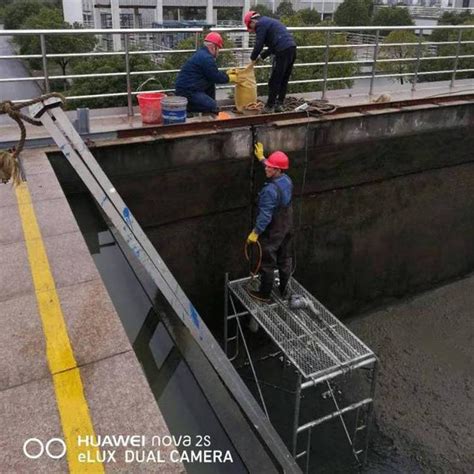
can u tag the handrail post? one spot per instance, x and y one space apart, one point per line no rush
196 40
325 70
127 71
417 65
45 64
456 59
374 63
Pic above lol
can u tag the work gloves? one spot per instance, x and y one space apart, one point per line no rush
258 150
232 76
252 238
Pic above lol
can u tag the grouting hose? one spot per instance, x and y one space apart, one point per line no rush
10 164
254 273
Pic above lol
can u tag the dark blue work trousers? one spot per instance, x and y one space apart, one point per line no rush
202 101
281 72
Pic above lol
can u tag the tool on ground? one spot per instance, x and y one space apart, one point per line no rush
300 302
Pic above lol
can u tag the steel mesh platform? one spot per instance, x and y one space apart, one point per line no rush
316 342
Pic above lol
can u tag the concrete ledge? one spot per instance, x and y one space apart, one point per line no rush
119 398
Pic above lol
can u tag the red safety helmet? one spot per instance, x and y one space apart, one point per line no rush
215 38
278 160
249 16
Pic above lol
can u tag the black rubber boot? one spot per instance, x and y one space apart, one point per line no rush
268 109
259 295
278 108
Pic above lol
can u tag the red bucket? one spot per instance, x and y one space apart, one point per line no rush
150 106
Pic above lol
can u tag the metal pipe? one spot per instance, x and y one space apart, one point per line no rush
323 378
127 72
455 66
325 70
238 315
417 65
374 63
308 451
100 31
296 414
249 358
370 412
347 409
226 310
45 64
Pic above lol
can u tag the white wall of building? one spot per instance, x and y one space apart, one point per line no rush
72 11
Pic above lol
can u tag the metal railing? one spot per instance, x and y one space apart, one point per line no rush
377 44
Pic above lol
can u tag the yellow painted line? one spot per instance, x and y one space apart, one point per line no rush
72 405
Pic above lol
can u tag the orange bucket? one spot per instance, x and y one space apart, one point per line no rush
150 106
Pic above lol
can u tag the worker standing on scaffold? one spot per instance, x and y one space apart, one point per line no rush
274 224
281 44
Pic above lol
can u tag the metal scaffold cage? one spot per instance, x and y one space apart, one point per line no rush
324 354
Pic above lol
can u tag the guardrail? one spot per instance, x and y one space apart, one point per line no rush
371 64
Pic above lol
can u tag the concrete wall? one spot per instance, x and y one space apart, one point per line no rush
386 210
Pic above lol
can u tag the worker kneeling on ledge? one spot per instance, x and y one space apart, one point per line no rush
199 75
274 224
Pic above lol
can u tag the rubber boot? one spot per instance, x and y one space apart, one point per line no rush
265 290
278 108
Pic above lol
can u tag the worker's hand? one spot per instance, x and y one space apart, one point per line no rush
232 75
255 61
258 150
252 238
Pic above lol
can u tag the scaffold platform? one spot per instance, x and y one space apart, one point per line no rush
319 347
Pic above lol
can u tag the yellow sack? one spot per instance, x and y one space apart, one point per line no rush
245 86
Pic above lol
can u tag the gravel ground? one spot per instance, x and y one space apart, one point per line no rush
425 393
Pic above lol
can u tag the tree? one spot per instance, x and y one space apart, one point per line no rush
392 16
107 84
285 9
229 13
309 17
452 18
400 53
466 49
15 14
352 13
264 11
51 18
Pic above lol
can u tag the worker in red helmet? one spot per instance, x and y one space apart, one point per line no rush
199 75
280 43
274 224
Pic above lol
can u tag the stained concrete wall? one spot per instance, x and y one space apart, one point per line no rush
386 207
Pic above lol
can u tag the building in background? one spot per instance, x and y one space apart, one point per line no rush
146 13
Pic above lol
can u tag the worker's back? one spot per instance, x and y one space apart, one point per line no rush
274 33
199 73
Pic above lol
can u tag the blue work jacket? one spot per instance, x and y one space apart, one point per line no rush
273 34
199 73
270 200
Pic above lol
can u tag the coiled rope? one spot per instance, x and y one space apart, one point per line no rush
316 106
10 167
